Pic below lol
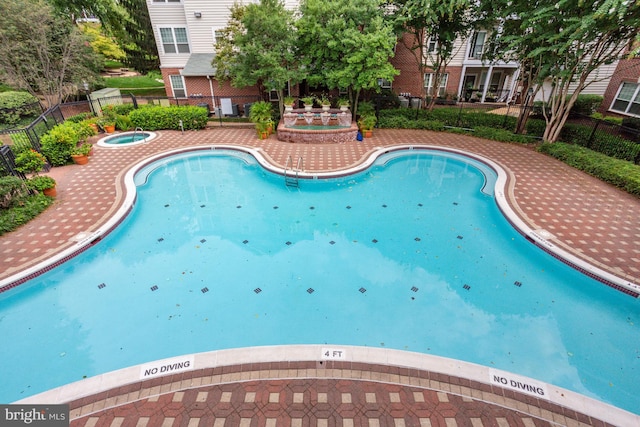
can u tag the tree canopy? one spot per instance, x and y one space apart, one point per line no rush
440 22
346 44
561 44
44 58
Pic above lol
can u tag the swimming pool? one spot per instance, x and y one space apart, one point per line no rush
126 139
401 256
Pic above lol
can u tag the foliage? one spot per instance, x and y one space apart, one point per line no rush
440 20
100 43
59 142
41 182
367 122
16 105
561 43
133 82
41 51
30 161
346 44
123 109
20 142
82 150
586 104
631 123
123 122
602 142
261 111
158 117
139 44
620 173
258 47
11 188
79 117
22 210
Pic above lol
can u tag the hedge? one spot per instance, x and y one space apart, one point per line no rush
159 117
623 174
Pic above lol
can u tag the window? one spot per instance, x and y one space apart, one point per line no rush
218 35
477 44
177 84
384 83
432 44
628 99
174 40
428 83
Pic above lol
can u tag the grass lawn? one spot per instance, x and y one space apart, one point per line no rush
137 85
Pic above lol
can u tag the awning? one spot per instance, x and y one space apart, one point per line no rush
199 64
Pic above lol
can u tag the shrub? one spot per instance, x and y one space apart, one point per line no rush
621 173
23 210
157 117
20 142
30 161
15 105
123 123
497 134
11 187
79 117
123 109
41 182
58 143
586 104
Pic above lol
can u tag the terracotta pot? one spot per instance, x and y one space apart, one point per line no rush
109 128
367 133
264 135
80 159
50 192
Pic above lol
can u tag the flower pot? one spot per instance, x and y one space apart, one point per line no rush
50 192
80 159
109 128
326 107
264 135
367 133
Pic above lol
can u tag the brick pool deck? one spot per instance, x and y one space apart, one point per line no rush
581 215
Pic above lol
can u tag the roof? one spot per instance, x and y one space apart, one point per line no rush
199 64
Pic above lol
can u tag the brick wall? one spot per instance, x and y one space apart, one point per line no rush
627 70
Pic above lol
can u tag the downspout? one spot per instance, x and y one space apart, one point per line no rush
213 99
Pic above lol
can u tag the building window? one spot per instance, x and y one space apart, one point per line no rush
432 44
177 85
384 83
477 44
428 83
218 35
627 100
174 40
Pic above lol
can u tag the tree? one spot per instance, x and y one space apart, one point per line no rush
258 48
139 43
100 43
41 51
563 43
346 44
433 27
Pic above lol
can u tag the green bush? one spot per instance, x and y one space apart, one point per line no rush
498 134
621 173
59 142
586 104
16 105
123 109
20 142
79 117
602 142
123 122
23 210
158 117
11 188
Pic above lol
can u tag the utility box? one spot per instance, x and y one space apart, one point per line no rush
103 97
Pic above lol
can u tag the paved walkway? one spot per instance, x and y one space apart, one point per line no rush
587 218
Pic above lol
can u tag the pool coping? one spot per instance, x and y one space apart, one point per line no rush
317 361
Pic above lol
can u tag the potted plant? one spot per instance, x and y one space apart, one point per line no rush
366 125
43 184
108 120
325 102
80 154
263 129
261 111
343 103
288 102
308 102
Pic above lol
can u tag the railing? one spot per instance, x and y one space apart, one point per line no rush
292 180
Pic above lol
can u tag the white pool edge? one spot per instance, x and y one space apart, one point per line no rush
353 354
102 142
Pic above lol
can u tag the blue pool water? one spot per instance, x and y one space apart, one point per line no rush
410 255
127 138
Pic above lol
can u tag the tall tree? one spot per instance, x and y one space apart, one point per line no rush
432 27
258 48
346 44
44 58
563 43
139 43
